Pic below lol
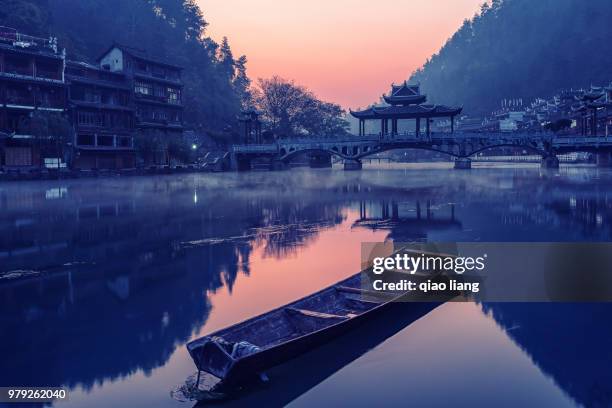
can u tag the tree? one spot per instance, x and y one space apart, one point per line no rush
291 110
242 83
30 15
226 60
520 49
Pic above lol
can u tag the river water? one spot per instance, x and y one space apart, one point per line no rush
118 274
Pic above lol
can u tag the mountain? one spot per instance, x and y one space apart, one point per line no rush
521 49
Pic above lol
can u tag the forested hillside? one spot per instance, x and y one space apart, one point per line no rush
521 49
174 30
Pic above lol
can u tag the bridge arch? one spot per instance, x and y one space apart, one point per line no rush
521 146
450 151
459 148
291 154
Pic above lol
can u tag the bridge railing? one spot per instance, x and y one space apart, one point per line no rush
256 148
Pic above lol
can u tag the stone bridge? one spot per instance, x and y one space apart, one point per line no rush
460 145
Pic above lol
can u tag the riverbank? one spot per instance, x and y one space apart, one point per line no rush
56 174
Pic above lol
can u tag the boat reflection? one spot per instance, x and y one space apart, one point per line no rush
294 378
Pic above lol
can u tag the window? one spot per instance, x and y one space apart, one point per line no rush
145 114
17 65
160 92
160 115
54 163
174 96
90 119
85 140
175 116
143 88
106 141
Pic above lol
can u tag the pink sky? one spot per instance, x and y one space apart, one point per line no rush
345 51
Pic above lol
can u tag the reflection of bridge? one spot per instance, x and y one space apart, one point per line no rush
460 145
404 222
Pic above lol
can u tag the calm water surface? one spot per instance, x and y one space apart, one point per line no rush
123 272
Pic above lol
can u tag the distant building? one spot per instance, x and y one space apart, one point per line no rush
250 126
103 115
31 86
592 111
507 125
158 98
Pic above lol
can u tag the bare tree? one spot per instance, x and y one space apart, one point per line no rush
292 110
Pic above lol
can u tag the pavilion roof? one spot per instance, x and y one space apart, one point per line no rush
405 100
407 112
405 94
405 90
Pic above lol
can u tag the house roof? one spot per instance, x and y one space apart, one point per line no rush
136 53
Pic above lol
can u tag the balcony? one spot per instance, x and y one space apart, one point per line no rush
20 100
153 75
27 71
48 73
23 70
158 122
165 100
104 142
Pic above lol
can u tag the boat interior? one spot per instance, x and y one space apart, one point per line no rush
335 304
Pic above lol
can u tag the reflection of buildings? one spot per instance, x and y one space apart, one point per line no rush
404 222
119 291
570 342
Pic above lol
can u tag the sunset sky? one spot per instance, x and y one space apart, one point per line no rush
346 51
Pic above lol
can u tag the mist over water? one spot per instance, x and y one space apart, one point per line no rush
102 282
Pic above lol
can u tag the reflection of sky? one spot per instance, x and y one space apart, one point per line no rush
153 280
454 356
271 283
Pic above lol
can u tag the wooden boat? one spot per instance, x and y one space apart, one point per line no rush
239 353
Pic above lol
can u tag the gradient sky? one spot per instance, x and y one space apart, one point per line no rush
345 51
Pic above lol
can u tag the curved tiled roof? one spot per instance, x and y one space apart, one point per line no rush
407 112
405 100
405 94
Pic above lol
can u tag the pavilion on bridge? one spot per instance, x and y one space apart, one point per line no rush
405 102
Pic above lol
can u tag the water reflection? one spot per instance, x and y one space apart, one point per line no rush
569 342
404 222
298 376
122 272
